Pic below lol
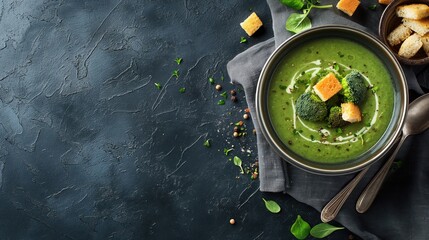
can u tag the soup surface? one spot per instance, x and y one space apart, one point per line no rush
300 70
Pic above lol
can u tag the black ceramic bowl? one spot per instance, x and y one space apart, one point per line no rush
389 21
400 99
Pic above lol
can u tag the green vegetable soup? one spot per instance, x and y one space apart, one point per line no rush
300 70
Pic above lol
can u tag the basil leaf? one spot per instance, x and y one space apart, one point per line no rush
272 206
322 230
295 4
297 23
300 228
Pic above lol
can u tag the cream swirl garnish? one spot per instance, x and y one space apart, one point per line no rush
324 133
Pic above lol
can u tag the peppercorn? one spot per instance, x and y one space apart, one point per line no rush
247 110
246 116
218 87
232 221
233 92
236 134
234 98
254 131
236 129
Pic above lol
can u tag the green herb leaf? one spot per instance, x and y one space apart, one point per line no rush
207 143
295 4
221 102
336 67
211 81
372 7
237 162
297 23
224 95
243 40
182 90
226 151
300 228
272 206
322 230
178 60
175 73
158 85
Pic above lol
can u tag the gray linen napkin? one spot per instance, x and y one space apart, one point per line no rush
401 211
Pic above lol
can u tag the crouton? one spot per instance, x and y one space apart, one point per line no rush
413 11
410 46
398 35
419 26
251 24
425 41
385 2
348 6
351 112
327 87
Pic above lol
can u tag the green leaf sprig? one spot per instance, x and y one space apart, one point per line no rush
271 206
237 162
301 229
298 22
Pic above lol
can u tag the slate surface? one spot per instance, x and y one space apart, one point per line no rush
91 149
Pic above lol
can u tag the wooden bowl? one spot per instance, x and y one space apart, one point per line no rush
389 21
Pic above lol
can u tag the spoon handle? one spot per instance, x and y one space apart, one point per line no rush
330 211
370 192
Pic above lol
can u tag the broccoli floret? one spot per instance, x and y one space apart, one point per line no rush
354 89
335 118
310 107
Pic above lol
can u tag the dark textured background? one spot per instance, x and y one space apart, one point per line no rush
91 149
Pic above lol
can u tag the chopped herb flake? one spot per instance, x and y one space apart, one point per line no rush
243 40
178 60
175 73
207 143
182 90
224 95
158 85
221 102
372 7
211 81
226 151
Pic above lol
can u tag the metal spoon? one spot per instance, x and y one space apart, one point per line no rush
416 121
330 211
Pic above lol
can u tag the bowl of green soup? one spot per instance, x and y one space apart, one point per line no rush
331 100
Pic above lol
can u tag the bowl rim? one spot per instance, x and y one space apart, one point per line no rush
387 12
263 119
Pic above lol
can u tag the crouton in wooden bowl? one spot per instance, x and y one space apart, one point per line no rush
404 28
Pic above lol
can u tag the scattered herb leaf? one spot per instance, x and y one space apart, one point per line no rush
226 151
300 228
298 22
158 85
175 73
271 206
221 102
295 4
237 162
243 40
178 60
211 81
336 67
224 95
182 90
322 230
207 143
222 78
